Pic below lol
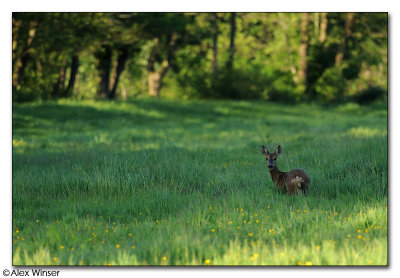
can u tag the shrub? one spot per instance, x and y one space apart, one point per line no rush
369 95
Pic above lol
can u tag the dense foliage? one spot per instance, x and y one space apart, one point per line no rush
287 57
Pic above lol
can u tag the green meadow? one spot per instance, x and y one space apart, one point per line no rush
162 182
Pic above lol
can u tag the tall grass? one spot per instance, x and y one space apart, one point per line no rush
184 183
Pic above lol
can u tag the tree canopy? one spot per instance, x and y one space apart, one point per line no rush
289 57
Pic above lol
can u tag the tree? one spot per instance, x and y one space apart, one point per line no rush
24 32
123 55
73 73
45 45
155 77
346 36
232 22
214 33
323 27
167 33
303 50
274 56
116 36
104 56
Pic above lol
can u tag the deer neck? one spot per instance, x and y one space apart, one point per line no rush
276 174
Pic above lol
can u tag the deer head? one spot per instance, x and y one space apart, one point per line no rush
271 157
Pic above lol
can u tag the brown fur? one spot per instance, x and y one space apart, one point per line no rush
293 181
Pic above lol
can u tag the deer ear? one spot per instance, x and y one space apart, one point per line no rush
264 150
278 150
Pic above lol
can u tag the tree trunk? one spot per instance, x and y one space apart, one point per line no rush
316 24
232 21
153 83
293 69
20 69
347 34
72 78
214 32
155 78
323 27
16 26
122 57
20 61
104 56
303 50
58 89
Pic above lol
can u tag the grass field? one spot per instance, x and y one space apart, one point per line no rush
150 182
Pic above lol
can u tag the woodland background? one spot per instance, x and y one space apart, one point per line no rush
284 57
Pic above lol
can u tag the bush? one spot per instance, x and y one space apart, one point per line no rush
369 95
330 86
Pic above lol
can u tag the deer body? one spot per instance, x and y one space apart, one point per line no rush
293 181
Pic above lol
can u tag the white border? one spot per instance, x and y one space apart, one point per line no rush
7 7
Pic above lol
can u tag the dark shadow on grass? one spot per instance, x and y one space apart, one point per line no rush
78 118
180 110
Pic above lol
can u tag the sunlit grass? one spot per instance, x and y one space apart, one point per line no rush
183 183
365 132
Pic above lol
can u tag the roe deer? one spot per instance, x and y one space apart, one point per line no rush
293 181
